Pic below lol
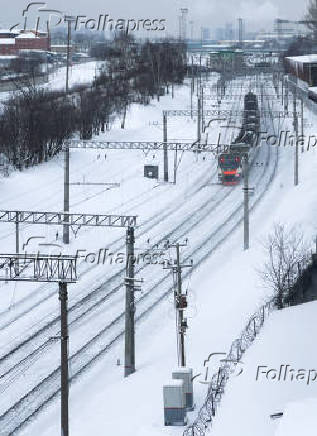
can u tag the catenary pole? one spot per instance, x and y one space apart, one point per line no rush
246 203
63 297
165 147
66 196
129 363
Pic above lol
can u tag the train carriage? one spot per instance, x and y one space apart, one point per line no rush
230 164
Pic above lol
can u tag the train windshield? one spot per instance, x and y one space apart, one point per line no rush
229 161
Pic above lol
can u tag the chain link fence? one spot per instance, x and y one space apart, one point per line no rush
216 388
219 380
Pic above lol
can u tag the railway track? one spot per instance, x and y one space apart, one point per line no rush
47 389
98 295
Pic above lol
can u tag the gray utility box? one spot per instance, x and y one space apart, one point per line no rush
151 171
186 374
174 403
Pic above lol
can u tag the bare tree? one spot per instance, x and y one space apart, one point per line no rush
311 16
287 252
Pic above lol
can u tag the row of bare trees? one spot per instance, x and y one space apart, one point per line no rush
33 125
149 68
35 122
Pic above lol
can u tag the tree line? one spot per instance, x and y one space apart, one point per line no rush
35 122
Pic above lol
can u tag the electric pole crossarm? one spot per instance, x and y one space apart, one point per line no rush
115 185
227 113
38 268
231 97
114 145
47 268
70 219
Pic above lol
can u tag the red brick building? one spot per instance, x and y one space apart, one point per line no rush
11 42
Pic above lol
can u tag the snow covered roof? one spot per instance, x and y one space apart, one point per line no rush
6 41
60 45
174 383
2 58
9 31
303 59
27 35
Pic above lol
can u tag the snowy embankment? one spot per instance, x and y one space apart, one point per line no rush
223 292
287 338
28 307
79 74
279 376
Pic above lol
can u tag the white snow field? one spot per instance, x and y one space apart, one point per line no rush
286 339
224 288
299 418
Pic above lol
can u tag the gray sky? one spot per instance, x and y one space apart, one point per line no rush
207 13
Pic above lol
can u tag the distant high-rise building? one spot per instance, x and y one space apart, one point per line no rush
240 32
191 24
183 23
205 33
229 33
288 28
220 33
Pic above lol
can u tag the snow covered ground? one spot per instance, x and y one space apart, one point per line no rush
223 291
266 387
79 74
299 418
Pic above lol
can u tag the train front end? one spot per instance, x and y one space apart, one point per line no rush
229 169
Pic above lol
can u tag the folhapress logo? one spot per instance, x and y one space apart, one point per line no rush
37 15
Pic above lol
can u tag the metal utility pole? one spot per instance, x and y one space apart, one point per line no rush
48 269
295 123
165 147
68 54
63 298
192 89
129 355
17 242
66 196
202 110
198 120
175 166
181 325
68 19
286 95
302 121
198 83
246 202
180 300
